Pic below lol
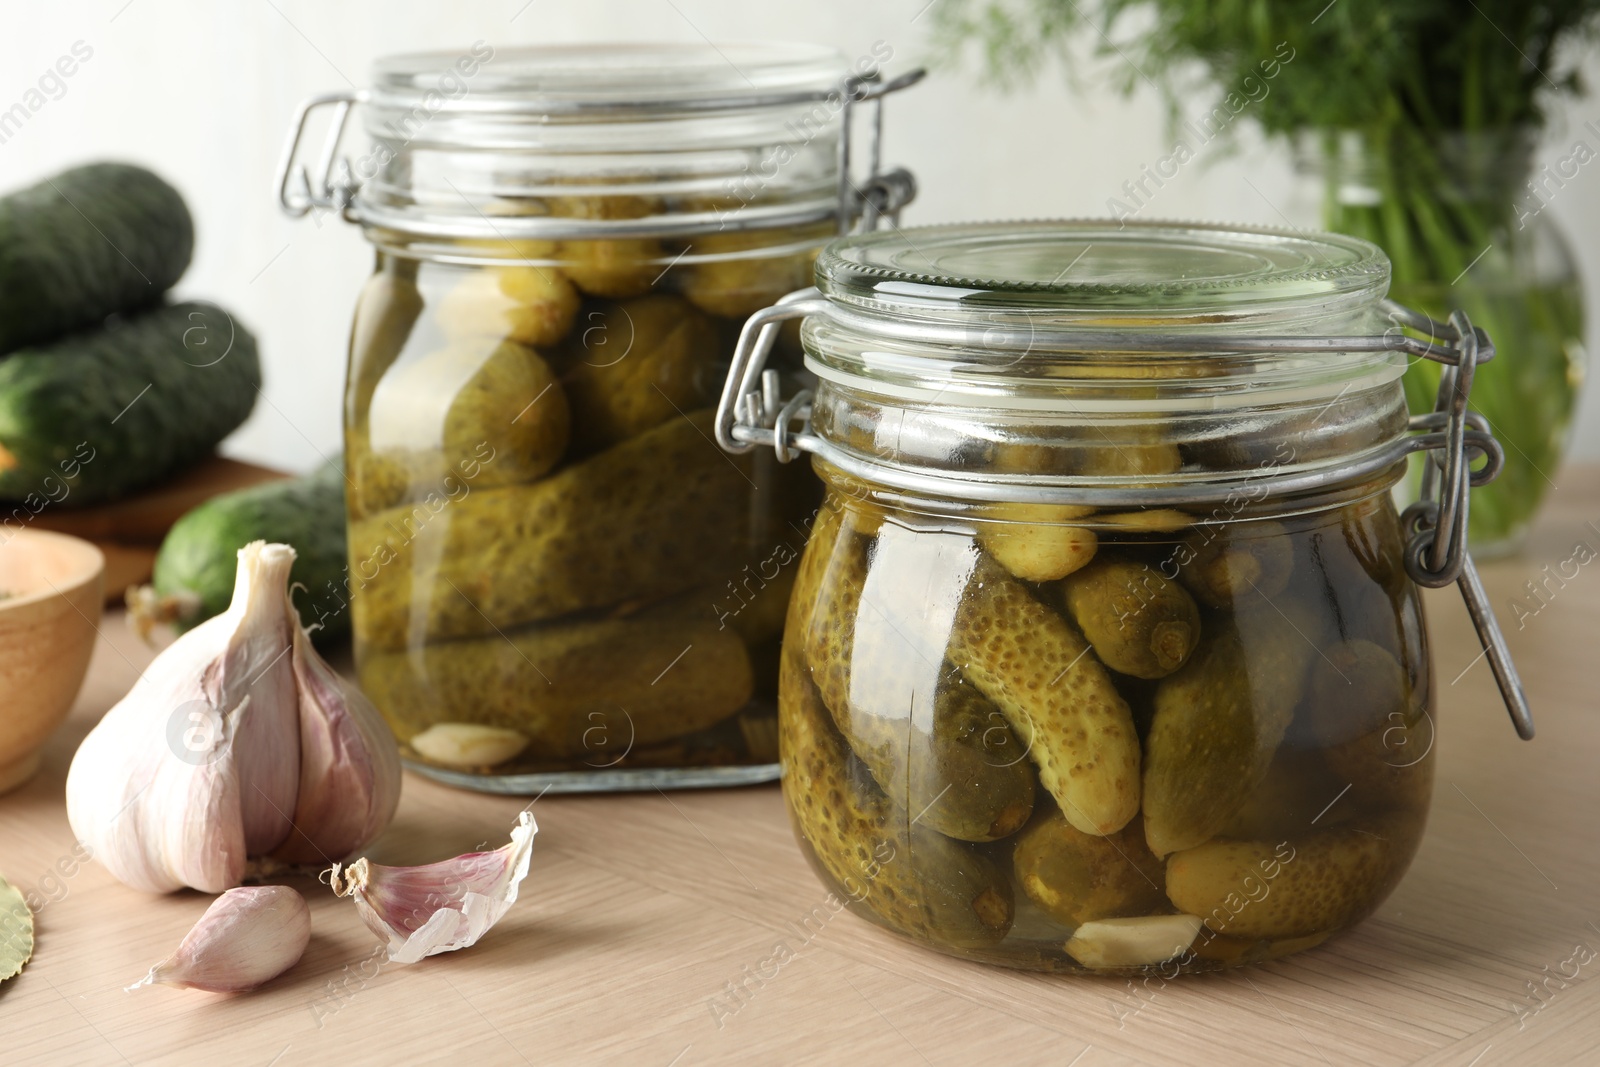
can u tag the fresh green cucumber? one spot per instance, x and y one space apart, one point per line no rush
112 410
87 243
195 568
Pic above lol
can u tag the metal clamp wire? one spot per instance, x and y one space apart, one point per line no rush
760 330
862 88
1452 527
298 202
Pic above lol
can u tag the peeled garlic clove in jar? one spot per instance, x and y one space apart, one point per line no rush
1136 942
466 744
440 907
247 937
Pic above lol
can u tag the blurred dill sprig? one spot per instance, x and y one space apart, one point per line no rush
1359 64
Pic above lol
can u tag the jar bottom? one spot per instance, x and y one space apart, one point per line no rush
618 780
1209 953
1047 957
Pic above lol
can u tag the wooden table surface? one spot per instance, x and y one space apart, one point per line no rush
641 910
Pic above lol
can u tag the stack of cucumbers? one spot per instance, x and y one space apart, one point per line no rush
105 386
108 387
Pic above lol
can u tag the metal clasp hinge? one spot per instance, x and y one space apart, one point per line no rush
752 411
883 193
1436 553
335 185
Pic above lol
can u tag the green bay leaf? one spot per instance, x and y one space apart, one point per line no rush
16 931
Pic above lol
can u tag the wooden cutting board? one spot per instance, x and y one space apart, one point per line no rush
129 531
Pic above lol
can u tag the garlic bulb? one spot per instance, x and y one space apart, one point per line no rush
441 907
247 937
236 743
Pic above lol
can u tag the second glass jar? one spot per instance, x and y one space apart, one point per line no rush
559 580
1107 652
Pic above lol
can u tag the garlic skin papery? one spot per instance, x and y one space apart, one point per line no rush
247 937
238 742
441 907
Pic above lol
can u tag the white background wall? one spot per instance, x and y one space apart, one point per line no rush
203 92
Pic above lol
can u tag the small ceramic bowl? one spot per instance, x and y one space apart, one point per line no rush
51 590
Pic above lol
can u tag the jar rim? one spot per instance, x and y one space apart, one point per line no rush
605 140
601 80
1143 273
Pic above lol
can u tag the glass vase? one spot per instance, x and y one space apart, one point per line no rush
1463 218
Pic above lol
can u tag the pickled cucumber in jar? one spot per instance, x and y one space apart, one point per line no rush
535 486
640 362
1272 799
533 306
493 407
928 737
876 855
614 267
735 274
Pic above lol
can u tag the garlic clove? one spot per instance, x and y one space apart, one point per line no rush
256 665
467 744
349 765
1137 942
440 907
248 936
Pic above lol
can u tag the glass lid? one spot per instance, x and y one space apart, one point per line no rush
1167 273
563 79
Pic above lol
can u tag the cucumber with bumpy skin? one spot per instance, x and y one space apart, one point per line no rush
126 406
87 243
194 570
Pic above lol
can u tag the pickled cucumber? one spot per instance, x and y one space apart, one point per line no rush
1150 520
530 305
1139 622
1039 671
568 687
1389 770
1298 794
931 741
615 267
1389 766
1218 721
1355 688
656 359
755 615
1036 543
634 521
1079 877
495 403
735 287
1145 454
897 871
1222 564
386 312
1259 889
1127 453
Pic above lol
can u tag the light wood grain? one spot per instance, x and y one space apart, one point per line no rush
641 909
